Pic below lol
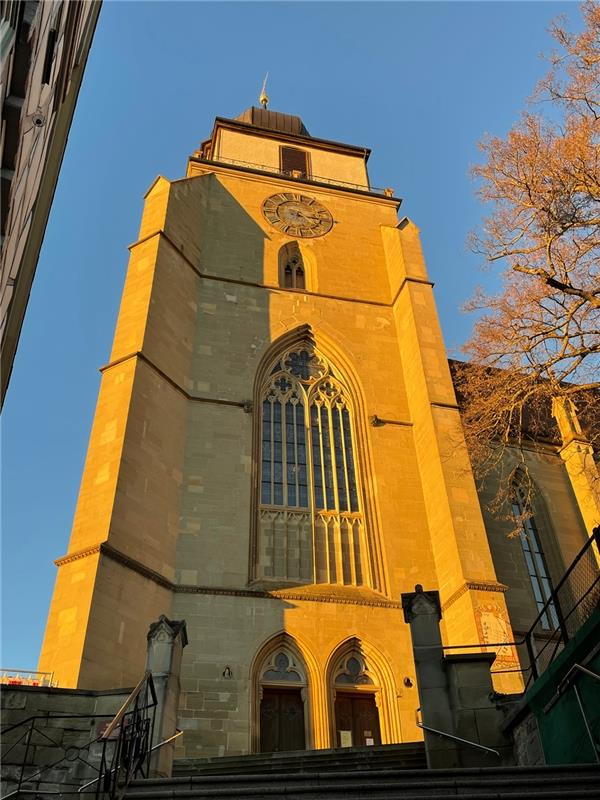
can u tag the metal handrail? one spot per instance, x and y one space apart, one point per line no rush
456 738
288 174
105 771
41 770
580 668
146 677
561 689
152 749
566 682
5 672
16 725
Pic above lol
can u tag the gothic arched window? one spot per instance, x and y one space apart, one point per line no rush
352 670
532 552
310 519
292 272
282 667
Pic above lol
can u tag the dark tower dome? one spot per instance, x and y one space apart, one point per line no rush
273 120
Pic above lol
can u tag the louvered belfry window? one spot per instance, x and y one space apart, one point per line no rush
293 273
294 160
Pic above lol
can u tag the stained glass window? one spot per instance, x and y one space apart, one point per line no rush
303 405
534 556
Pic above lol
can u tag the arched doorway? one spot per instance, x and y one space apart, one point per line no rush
282 700
356 712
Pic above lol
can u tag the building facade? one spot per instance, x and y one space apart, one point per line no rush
44 47
277 454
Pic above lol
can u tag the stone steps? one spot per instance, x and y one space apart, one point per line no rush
395 756
579 782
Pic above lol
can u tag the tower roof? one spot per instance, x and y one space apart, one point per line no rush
273 120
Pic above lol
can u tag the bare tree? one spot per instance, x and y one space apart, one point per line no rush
538 338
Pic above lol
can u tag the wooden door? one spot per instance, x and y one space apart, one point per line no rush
281 720
356 719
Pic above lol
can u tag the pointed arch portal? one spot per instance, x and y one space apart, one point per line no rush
281 680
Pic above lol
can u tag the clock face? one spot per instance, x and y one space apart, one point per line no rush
297 215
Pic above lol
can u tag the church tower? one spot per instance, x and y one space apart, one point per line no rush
276 456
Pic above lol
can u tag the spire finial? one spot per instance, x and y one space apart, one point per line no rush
264 97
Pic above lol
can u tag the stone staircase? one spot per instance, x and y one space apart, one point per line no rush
390 772
390 756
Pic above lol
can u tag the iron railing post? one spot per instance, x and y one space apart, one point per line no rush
27 741
532 655
562 623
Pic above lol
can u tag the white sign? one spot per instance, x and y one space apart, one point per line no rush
345 738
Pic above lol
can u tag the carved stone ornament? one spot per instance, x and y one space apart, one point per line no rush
165 629
420 602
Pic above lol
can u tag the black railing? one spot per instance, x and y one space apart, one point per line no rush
296 174
121 752
574 599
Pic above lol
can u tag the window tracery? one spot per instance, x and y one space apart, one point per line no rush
283 667
310 518
292 272
352 670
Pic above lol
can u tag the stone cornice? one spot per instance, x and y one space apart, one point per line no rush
245 405
477 586
576 442
133 564
70 557
332 598
160 232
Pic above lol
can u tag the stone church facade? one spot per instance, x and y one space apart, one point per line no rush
277 455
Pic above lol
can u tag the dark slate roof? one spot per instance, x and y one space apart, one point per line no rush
273 120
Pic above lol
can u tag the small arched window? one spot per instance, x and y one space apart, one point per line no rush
292 272
532 551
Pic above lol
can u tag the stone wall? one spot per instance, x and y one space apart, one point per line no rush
527 745
58 745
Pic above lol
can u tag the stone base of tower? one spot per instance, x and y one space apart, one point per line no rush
477 614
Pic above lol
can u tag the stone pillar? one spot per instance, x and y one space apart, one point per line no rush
578 455
455 692
166 640
470 594
477 716
423 614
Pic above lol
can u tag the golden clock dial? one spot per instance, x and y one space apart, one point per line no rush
297 215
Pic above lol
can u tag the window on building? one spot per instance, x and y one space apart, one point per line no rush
310 517
352 670
534 556
49 57
292 272
293 160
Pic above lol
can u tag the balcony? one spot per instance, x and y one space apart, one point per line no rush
25 677
296 175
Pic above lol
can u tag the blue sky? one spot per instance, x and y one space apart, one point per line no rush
419 83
